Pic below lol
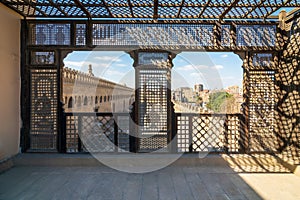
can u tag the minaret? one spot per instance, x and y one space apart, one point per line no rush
90 70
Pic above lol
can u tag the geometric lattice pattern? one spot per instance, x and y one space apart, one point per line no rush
43 118
152 143
96 132
80 34
179 9
50 34
262 111
191 35
147 35
73 143
208 133
153 108
42 57
256 35
262 59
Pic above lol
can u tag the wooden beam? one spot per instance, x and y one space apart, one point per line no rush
204 8
79 4
30 4
130 6
180 8
228 9
108 10
58 8
254 8
155 11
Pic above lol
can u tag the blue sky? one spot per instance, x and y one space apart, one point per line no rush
214 70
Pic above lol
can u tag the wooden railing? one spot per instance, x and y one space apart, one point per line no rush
113 132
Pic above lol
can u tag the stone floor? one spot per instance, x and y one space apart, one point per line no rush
177 181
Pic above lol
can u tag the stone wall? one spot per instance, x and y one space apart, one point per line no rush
9 83
84 92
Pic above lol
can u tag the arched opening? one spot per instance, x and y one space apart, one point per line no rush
79 101
85 101
97 75
92 101
70 103
207 82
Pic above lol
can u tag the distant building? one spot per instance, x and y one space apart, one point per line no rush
184 94
235 90
83 92
198 88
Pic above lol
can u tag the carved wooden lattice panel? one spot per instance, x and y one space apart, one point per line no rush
208 133
203 133
50 34
153 115
42 58
261 111
256 35
234 130
97 133
43 119
152 35
72 138
80 34
183 133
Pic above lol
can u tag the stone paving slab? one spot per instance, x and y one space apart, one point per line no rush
59 176
173 182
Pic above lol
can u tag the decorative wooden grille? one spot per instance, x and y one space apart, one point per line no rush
99 132
44 104
208 133
261 111
256 35
191 35
131 35
80 34
50 34
262 59
153 108
42 58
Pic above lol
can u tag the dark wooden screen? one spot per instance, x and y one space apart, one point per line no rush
153 109
43 112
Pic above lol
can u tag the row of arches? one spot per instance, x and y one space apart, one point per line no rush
78 101
91 103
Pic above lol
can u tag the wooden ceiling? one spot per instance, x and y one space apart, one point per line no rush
145 9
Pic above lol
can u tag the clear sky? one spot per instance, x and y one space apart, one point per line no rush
214 70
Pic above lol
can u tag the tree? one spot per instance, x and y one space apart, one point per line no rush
219 102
